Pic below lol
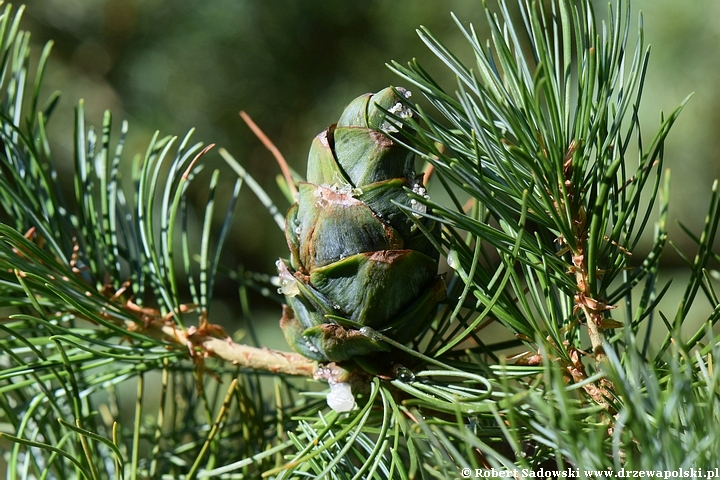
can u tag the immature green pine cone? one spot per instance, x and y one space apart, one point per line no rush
357 260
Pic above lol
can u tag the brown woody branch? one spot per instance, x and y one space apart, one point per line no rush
213 342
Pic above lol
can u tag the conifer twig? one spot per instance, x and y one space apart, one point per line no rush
202 342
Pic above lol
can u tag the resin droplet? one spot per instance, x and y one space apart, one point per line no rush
419 207
452 260
340 397
400 110
404 374
371 334
287 282
311 346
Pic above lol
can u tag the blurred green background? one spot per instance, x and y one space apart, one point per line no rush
170 65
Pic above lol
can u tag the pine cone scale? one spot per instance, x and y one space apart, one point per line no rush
357 260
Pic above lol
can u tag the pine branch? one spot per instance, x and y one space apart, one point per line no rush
542 168
210 340
547 203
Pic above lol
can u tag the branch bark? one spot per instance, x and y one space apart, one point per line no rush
207 344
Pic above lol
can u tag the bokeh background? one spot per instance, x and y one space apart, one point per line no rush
171 65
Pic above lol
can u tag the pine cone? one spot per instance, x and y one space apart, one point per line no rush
356 259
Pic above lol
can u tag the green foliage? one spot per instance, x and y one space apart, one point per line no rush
531 157
550 188
84 280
